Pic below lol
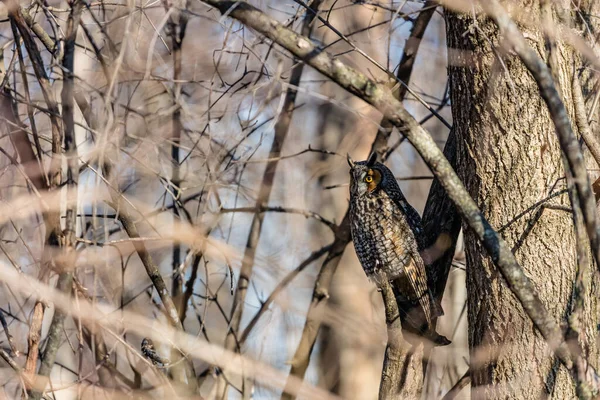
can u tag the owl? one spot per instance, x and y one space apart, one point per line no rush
387 236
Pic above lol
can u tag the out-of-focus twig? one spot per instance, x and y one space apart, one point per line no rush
65 278
458 386
264 193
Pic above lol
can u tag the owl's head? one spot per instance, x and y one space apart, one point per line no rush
366 177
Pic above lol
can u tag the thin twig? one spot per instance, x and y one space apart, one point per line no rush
458 386
264 193
65 278
262 209
280 287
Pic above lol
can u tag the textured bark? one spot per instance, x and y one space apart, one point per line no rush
509 158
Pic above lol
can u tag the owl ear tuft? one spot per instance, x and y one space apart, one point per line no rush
372 159
350 160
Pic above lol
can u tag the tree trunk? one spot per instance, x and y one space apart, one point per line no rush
509 159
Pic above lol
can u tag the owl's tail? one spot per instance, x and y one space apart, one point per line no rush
418 320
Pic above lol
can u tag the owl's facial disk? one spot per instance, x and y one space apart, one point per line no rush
364 180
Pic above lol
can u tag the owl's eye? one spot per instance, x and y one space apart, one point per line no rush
368 179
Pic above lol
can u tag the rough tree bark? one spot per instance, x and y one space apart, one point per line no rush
509 158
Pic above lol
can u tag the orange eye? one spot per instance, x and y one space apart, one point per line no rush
368 179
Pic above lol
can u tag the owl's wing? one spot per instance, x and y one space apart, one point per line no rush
415 285
411 215
414 275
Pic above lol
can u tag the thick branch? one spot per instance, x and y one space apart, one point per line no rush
402 374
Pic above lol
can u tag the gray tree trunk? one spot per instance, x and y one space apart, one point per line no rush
509 159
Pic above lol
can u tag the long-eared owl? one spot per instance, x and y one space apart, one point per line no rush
387 236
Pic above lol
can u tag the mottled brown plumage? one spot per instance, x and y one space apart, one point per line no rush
387 236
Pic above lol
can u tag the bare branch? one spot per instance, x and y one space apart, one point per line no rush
264 193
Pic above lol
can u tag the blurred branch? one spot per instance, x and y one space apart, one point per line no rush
382 99
65 279
287 210
264 193
280 287
411 48
458 386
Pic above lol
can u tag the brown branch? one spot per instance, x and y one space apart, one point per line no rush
264 193
458 386
280 287
402 374
581 119
411 48
382 99
65 279
287 210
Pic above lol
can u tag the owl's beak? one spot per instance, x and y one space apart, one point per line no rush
350 161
